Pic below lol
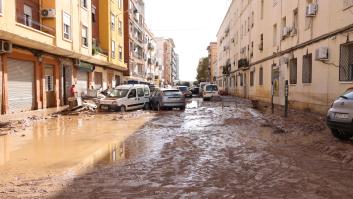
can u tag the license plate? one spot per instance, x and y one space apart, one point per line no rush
104 107
341 116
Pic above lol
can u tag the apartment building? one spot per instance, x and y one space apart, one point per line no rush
134 40
46 46
212 57
167 56
308 44
151 59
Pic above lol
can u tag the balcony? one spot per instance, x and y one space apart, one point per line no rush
243 63
29 22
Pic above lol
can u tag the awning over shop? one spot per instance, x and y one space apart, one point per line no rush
86 67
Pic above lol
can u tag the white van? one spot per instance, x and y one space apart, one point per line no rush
202 85
126 97
211 90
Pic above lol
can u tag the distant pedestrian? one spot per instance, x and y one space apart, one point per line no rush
73 91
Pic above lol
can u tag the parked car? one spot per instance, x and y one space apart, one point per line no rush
210 90
185 91
195 90
126 97
340 116
202 85
167 98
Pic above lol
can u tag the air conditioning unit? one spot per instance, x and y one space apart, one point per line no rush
286 32
48 13
5 47
311 10
321 53
294 32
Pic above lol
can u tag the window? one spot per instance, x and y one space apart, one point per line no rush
295 21
27 11
112 21
49 83
293 71
140 92
94 14
261 76
120 27
120 53
252 49
84 36
84 3
252 19
307 68
113 49
252 74
132 93
67 25
1 7
241 79
346 62
119 4
275 35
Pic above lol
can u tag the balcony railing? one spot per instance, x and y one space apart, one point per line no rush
35 24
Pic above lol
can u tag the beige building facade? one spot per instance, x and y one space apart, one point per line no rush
212 57
309 44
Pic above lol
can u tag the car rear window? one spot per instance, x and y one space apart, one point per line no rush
172 93
211 88
182 88
348 94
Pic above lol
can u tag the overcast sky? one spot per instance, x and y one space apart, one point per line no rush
193 24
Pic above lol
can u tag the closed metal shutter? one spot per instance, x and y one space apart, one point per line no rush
0 84
82 83
20 85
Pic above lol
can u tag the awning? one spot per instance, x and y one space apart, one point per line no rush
87 67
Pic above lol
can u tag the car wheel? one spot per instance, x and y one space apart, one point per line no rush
342 135
123 108
146 106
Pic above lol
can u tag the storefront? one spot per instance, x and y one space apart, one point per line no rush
83 78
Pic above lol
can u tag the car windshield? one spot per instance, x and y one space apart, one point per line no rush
171 93
183 88
348 94
211 88
119 93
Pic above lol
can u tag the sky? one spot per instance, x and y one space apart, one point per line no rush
192 24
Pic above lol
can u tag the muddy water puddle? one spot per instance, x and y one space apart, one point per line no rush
66 143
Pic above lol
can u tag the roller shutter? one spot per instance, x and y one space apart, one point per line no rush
20 85
82 83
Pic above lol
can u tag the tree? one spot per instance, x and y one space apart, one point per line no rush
202 70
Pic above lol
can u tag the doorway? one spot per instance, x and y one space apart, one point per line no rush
49 85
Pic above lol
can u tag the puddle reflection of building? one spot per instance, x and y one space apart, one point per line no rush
4 151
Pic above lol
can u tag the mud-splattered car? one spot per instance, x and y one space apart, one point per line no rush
340 116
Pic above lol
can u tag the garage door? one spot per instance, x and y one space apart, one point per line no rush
82 83
20 85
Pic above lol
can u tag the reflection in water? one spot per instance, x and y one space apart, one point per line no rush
4 152
66 143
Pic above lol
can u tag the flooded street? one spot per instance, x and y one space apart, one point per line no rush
210 150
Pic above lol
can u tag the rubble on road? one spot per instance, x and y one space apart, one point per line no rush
13 126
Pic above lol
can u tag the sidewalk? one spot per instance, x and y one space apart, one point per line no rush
35 113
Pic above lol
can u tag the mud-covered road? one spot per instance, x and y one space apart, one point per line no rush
213 151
